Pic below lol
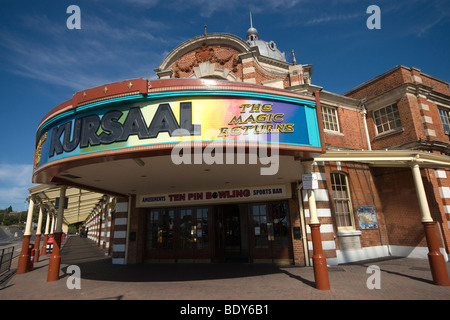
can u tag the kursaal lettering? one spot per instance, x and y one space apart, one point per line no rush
83 132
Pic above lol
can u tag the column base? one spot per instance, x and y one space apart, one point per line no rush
321 272
23 258
55 260
435 258
319 260
44 245
53 268
37 243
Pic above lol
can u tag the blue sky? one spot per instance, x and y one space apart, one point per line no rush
43 63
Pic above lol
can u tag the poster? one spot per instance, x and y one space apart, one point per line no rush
367 217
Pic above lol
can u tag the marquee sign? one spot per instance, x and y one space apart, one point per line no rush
160 121
234 195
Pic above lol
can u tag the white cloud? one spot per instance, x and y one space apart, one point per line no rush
15 179
332 18
101 52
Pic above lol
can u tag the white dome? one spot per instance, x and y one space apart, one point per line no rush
267 49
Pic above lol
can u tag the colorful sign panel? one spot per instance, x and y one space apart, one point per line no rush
275 192
161 123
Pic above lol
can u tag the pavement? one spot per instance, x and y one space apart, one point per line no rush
99 279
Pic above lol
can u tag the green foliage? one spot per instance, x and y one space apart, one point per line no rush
8 217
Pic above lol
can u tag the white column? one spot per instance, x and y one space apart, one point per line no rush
29 218
47 223
311 197
39 225
60 214
421 195
52 228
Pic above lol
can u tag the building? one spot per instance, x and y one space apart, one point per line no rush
233 154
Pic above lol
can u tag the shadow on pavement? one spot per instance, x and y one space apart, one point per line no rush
94 265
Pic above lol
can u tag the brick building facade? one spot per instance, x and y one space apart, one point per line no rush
367 196
402 109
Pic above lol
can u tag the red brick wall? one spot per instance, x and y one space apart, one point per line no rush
411 108
386 82
351 129
400 206
297 244
412 128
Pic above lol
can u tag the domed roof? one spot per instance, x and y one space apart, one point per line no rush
267 49
252 34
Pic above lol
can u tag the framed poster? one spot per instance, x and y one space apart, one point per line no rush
367 217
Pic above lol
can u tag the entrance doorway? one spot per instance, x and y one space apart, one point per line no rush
229 240
178 234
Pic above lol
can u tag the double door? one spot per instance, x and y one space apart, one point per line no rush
270 228
178 233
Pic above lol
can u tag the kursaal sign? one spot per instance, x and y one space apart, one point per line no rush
163 123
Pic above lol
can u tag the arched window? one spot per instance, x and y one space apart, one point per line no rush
342 201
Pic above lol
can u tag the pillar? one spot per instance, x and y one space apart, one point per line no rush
23 258
52 227
46 231
55 259
435 258
318 258
37 238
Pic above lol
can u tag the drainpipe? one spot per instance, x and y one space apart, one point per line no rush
364 114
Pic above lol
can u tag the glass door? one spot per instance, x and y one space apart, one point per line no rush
160 234
167 234
202 244
280 238
152 248
270 230
182 233
260 230
186 234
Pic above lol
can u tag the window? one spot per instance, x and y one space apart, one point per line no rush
387 119
166 232
260 225
153 230
280 224
342 201
445 119
202 236
329 118
186 230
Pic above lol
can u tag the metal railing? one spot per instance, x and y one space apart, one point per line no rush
6 257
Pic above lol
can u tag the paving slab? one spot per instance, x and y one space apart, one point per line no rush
383 279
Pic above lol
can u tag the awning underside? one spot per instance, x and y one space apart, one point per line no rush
80 202
388 158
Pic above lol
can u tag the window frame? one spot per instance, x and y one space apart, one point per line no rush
347 199
378 111
334 116
447 115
